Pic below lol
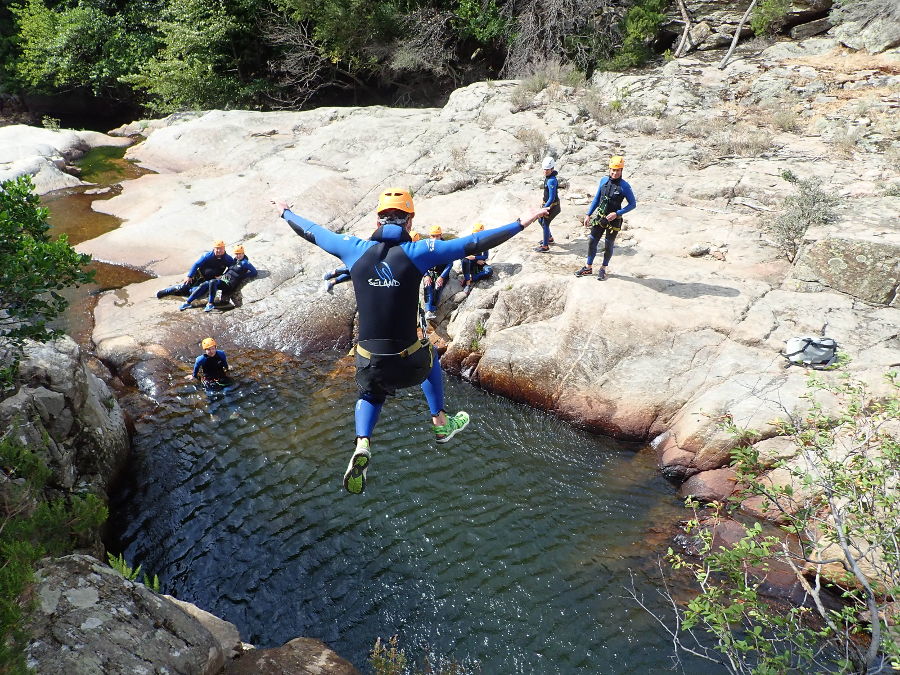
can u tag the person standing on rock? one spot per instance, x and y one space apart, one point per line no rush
611 192
551 202
386 271
208 266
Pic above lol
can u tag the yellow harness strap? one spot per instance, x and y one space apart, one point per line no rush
412 349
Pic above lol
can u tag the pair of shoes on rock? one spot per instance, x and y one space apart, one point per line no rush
455 424
209 307
355 475
184 306
601 275
585 271
542 249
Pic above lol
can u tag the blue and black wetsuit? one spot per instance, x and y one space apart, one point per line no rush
610 195
231 278
472 271
551 201
208 266
386 271
213 368
431 292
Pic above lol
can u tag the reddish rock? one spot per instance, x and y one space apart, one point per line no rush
709 486
301 656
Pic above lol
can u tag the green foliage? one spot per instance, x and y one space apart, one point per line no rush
34 268
768 16
31 528
641 24
483 21
841 508
50 123
90 44
120 565
199 56
390 659
809 206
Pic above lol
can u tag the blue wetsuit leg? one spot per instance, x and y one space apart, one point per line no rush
593 240
366 415
545 227
482 273
213 287
198 291
433 387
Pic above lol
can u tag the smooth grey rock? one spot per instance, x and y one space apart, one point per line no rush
89 620
805 30
225 632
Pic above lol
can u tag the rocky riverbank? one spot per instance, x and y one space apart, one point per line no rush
690 326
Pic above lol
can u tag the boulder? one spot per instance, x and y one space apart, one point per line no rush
300 656
89 620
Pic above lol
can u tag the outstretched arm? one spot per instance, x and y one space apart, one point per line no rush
347 248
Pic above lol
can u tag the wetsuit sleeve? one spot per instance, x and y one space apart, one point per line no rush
249 270
552 186
197 265
347 248
596 202
430 253
446 271
198 363
629 196
221 355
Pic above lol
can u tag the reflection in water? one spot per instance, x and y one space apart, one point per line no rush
509 547
70 213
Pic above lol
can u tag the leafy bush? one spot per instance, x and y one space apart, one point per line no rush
31 528
768 16
840 505
809 206
534 141
120 565
640 26
34 268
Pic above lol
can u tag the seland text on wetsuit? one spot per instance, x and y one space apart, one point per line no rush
386 271
610 195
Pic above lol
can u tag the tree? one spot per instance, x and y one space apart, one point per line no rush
91 45
838 502
35 268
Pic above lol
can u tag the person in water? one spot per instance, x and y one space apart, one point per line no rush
239 271
551 202
212 365
435 279
208 266
386 271
611 192
474 266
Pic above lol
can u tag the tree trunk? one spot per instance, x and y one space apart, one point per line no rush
737 35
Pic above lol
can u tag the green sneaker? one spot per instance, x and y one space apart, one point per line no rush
355 475
455 424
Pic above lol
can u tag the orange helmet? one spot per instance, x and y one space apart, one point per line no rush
415 236
239 248
396 198
617 162
207 343
435 231
477 227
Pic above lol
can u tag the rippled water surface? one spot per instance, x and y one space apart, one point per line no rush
509 547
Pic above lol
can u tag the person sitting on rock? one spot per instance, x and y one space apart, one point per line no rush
211 366
239 271
551 201
386 271
613 189
475 267
435 278
208 266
